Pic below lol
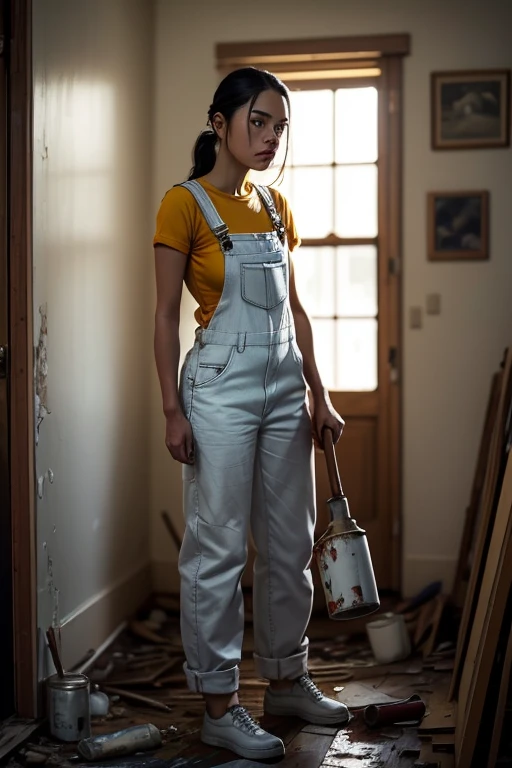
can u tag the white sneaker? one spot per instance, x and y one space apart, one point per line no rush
305 700
237 731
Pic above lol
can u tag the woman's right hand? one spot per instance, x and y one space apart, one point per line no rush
178 438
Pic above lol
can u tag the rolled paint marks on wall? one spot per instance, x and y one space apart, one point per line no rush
41 372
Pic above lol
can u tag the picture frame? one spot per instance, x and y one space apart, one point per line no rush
458 226
470 109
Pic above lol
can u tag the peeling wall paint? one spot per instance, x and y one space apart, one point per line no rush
48 475
41 371
50 586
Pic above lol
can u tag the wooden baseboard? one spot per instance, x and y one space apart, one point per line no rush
97 619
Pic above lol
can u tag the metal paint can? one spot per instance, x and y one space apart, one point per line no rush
68 706
389 638
345 566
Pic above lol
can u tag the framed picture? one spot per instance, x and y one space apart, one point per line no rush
470 110
458 226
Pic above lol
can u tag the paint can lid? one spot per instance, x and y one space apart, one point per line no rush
70 682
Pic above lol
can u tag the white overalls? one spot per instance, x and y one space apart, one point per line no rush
243 391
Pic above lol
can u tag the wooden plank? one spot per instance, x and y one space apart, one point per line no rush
306 750
487 514
440 718
500 706
469 532
486 626
429 644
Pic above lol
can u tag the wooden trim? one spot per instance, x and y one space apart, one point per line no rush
325 84
7 670
395 66
334 241
96 619
364 46
321 65
384 172
21 347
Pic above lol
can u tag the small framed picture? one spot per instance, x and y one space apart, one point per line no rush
458 226
471 109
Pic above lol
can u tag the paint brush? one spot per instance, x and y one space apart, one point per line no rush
52 643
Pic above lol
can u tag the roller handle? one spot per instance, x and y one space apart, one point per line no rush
332 464
54 650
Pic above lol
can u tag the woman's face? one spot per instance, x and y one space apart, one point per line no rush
268 121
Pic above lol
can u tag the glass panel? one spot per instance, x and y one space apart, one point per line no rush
356 201
285 187
312 200
356 125
324 342
314 278
356 361
312 124
356 281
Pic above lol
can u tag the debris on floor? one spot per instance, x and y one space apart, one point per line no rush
138 686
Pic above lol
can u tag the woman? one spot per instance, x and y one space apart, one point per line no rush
238 422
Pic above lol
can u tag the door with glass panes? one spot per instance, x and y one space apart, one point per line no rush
341 270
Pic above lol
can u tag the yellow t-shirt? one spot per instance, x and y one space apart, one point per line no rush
181 225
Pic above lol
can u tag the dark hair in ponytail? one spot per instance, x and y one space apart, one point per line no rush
237 89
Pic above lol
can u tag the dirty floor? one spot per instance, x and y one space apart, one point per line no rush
142 675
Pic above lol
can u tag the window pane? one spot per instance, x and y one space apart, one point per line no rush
356 125
312 200
356 201
356 361
356 281
324 341
314 278
312 124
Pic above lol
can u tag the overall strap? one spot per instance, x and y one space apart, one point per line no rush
217 226
268 202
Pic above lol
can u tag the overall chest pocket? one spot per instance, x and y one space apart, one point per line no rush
264 285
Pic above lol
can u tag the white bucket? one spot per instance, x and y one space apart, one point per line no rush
389 638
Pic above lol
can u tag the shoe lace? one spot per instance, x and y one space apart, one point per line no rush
308 685
243 719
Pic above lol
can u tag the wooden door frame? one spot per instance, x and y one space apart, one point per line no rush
21 346
390 270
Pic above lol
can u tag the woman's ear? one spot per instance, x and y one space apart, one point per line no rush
219 125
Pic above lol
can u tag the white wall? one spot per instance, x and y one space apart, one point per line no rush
448 364
93 65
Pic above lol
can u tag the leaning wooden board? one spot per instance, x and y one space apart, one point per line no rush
500 709
496 584
468 536
484 523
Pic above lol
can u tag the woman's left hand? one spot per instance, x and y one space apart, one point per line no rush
324 415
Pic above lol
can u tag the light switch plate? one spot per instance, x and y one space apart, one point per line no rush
415 317
433 304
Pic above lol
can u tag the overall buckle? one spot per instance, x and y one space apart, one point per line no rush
222 234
